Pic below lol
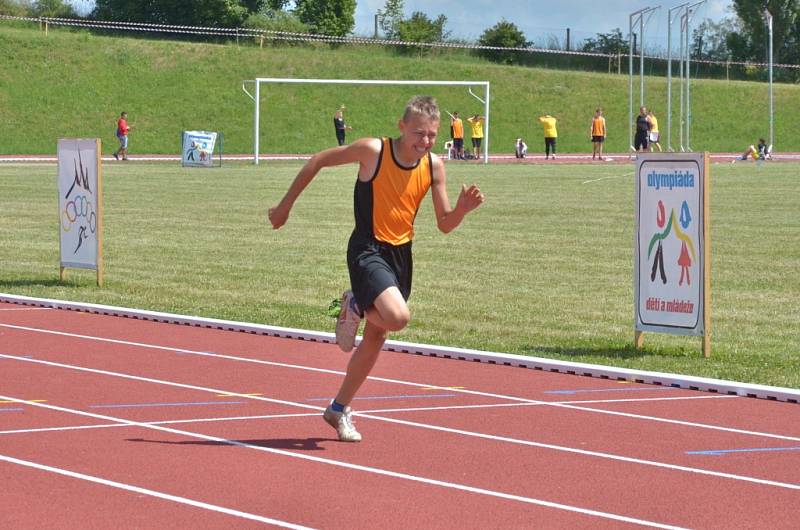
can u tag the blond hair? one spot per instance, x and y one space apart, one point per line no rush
425 106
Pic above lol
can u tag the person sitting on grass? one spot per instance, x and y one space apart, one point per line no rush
760 152
394 175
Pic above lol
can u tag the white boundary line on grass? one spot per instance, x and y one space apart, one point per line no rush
522 361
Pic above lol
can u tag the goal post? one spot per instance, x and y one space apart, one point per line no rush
256 97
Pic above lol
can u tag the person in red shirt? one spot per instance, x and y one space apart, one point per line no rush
122 134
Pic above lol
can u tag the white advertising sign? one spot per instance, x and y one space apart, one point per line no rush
198 148
80 203
670 268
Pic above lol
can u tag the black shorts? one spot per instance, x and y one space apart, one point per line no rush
375 266
458 143
640 141
340 136
598 139
476 143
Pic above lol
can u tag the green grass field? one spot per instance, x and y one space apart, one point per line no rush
543 268
75 84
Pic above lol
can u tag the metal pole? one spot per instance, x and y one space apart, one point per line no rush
690 12
486 115
257 99
683 86
669 74
769 25
630 79
641 60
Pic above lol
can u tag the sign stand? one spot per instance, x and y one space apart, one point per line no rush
80 205
672 269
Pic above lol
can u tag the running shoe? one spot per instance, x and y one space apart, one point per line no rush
347 324
343 423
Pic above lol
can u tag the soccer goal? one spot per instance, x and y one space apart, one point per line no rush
256 97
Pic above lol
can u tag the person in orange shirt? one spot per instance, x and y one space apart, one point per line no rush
597 132
122 135
394 175
457 128
550 135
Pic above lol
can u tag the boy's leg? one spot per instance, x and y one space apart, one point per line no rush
388 313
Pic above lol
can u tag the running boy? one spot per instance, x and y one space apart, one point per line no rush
394 175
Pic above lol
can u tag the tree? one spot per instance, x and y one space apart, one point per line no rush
390 19
419 28
327 17
53 9
212 13
751 43
504 34
710 39
608 43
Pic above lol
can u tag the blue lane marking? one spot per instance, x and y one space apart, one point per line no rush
610 390
7 409
195 404
407 396
719 452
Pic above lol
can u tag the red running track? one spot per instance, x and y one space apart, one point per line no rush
112 421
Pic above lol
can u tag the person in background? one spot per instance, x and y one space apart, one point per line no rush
122 135
521 148
758 152
457 128
550 134
394 175
340 126
654 136
476 124
642 131
597 132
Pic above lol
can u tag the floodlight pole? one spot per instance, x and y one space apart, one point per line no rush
669 73
768 16
690 11
632 19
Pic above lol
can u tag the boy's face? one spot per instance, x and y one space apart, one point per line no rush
419 133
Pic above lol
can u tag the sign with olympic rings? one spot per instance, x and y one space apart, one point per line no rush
80 204
671 276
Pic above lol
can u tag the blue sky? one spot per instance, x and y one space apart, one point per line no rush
539 19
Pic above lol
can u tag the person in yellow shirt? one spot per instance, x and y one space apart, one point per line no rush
655 136
394 174
550 135
476 124
597 132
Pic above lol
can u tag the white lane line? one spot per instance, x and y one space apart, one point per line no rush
363 411
401 382
357 467
151 493
572 450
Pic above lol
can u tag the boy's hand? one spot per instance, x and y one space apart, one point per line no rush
469 198
278 216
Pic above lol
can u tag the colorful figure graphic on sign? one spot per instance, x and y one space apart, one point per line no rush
684 260
687 255
658 261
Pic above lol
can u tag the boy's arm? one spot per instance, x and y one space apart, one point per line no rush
448 218
363 151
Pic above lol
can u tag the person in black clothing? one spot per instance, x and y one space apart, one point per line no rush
642 130
340 126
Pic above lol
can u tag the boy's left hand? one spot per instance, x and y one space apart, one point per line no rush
469 198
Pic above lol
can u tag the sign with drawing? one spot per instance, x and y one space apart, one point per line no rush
671 244
80 204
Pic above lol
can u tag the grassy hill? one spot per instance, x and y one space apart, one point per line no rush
74 84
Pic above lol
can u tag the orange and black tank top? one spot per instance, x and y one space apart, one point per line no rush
386 205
